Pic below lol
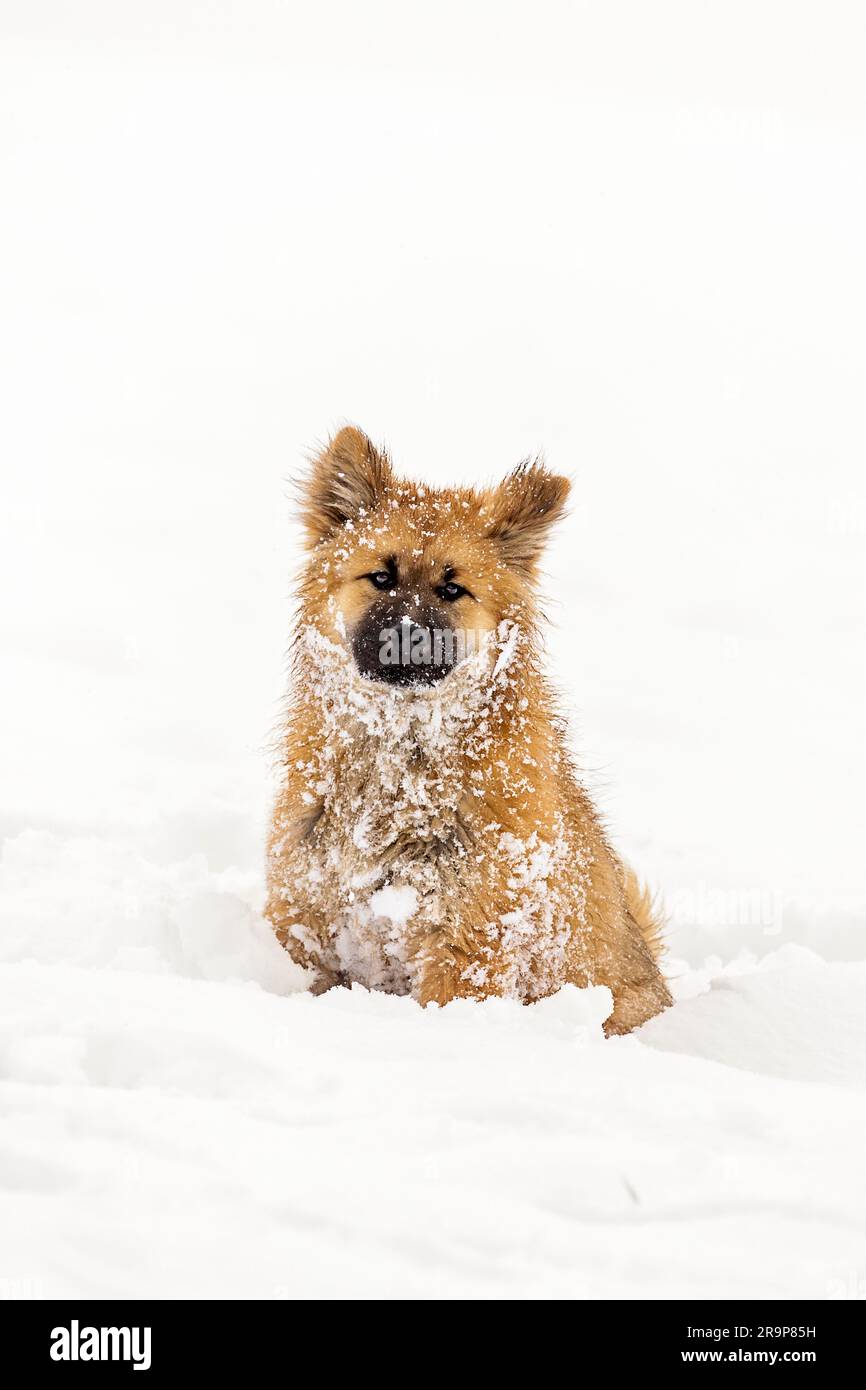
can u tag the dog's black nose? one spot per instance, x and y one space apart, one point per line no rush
405 653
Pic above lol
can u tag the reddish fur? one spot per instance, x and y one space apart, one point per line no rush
493 539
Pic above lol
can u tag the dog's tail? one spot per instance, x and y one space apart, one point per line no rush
646 913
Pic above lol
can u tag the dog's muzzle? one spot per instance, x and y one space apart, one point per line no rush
404 648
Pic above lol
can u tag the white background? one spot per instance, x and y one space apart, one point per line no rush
628 236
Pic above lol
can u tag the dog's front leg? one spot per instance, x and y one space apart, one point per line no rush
447 970
441 980
304 936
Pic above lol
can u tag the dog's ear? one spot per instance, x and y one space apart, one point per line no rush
523 508
347 479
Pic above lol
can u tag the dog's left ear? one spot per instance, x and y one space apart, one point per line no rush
523 508
348 478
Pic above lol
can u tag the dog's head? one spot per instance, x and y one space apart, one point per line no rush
412 578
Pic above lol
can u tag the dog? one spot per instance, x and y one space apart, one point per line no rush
430 835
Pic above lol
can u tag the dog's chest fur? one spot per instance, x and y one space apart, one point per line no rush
401 842
389 848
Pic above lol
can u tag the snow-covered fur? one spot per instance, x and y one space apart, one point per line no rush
433 839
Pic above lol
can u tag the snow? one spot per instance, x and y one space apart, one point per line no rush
395 904
180 1118
204 1138
221 239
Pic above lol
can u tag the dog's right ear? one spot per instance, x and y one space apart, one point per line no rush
348 479
524 507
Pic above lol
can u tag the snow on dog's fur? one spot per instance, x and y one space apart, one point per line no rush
430 836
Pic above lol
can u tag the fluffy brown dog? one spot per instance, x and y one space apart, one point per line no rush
430 836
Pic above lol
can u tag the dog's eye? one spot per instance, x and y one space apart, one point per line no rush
381 579
451 591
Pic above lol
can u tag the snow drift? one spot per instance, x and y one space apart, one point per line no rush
181 1119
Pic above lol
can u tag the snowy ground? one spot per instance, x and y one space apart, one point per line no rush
632 239
176 1137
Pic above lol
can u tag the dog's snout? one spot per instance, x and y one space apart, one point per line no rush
404 649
